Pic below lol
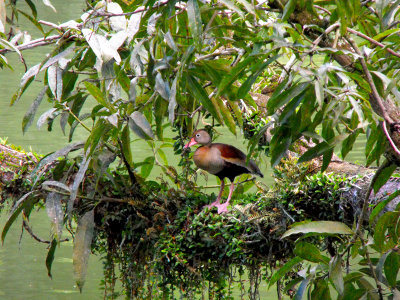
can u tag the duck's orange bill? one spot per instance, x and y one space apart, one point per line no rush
191 143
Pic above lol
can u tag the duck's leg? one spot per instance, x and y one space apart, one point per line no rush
216 202
223 208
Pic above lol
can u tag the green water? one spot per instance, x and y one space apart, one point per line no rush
23 274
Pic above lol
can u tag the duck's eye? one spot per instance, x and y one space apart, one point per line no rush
197 135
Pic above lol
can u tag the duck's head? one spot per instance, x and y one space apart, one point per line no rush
199 137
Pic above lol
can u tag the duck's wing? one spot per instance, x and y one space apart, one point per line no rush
235 156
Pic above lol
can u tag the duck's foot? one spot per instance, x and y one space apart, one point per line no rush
214 204
223 208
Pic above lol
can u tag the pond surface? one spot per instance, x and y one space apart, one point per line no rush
23 273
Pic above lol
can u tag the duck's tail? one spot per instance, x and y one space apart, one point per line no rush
255 170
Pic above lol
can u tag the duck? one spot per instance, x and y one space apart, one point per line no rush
223 161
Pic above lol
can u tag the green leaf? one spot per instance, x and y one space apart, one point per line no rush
335 273
321 290
280 99
288 10
383 176
30 114
126 145
77 182
381 205
99 131
147 166
162 155
199 94
226 115
234 74
98 95
229 4
248 6
326 160
391 268
384 223
195 23
139 125
287 267
15 212
331 227
50 256
309 252
246 86
55 213
360 80
280 143
55 81
290 108
389 16
33 20
379 266
348 143
321 148
302 289
82 247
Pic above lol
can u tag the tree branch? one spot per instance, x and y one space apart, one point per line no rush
35 43
375 97
373 41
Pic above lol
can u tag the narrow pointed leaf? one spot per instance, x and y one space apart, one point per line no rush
56 214
172 101
139 125
56 184
278 100
335 273
48 3
15 212
162 87
98 95
30 114
229 4
52 157
234 74
77 181
82 247
248 6
54 75
391 268
381 205
117 23
331 227
289 9
383 177
287 267
195 23
50 256
199 94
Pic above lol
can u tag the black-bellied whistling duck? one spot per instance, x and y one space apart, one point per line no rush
221 160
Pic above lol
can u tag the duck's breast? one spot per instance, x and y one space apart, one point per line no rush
209 159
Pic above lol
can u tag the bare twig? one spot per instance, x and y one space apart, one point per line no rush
373 41
228 51
327 31
127 165
376 98
394 147
51 25
34 236
372 269
35 43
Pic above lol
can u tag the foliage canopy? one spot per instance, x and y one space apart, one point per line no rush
330 69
